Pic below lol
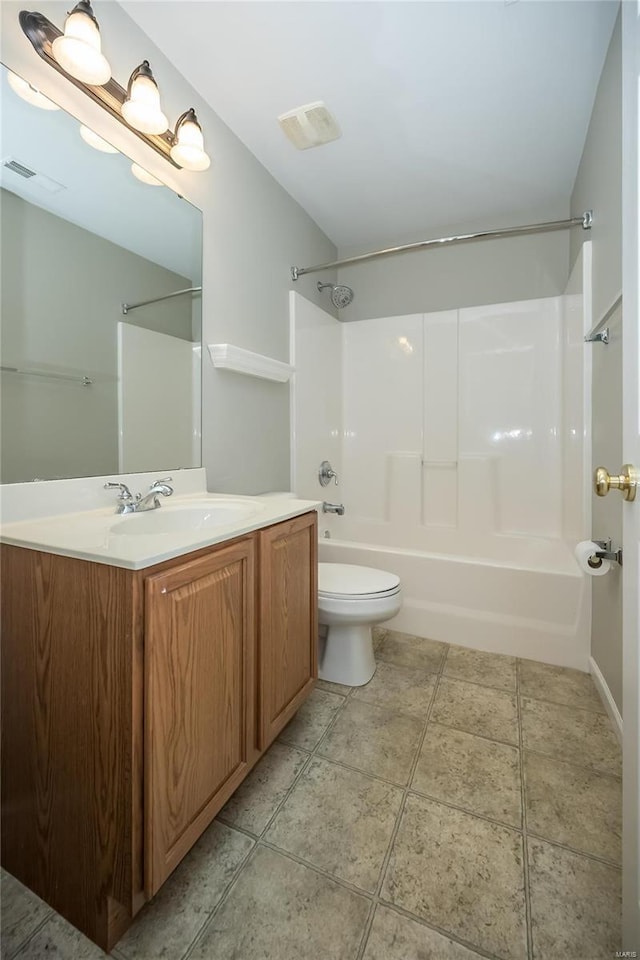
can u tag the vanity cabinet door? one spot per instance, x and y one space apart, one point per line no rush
199 698
288 635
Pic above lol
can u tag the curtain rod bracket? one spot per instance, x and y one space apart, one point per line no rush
587 220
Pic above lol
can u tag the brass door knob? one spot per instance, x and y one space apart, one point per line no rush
626 481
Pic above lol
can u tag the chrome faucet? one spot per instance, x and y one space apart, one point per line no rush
150 500
333 508
127 503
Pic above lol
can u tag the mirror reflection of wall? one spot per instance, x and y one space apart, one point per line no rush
81 235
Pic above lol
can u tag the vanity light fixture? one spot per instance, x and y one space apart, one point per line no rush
91 138
141 109
76 55
144 176
78 50
30 93
188 148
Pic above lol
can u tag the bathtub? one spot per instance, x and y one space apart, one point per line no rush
528 598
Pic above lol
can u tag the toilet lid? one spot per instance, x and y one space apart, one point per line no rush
346 579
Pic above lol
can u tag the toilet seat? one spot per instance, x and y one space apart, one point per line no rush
345 581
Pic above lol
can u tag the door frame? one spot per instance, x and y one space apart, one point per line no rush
631 453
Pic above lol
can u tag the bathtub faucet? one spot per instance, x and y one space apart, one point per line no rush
333 508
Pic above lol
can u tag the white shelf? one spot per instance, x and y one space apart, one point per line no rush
237 360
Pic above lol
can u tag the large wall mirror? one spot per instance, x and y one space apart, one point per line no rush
87 389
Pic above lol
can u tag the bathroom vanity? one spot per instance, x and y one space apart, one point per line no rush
137 697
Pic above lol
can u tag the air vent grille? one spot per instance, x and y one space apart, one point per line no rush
20 169
11 166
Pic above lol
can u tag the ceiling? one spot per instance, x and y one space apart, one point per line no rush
453 114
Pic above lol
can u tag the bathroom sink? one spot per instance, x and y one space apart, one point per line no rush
184 518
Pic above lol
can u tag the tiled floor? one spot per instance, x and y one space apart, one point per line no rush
461 805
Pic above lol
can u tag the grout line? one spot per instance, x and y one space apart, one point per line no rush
477 683
574 850
474 948
573 763
258 838
36 930
347 884
472 813
474 733
525 842
399 816
571 707
223 899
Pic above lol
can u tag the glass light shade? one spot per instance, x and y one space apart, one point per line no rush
142 110
144 176
29 93
91 137
78 51
188 150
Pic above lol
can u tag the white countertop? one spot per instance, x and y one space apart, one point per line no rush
184 524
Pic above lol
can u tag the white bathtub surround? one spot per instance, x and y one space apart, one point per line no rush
462 465
316 397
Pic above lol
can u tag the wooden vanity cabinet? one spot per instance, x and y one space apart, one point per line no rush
288 622
134 703
199 729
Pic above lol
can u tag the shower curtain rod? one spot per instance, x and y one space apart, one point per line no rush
584 221
126 307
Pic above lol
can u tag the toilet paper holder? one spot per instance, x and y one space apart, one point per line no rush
605 553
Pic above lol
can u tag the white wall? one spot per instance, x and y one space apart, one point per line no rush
253 232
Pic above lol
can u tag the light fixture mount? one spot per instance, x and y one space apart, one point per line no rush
41 33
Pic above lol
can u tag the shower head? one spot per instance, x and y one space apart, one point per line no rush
341 295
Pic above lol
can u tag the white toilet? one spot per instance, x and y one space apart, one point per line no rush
351 600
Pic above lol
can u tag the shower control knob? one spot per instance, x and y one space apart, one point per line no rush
326 473
627 481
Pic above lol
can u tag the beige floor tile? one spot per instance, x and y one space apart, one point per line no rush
399 689
338 820
58 940
374 740
312 719
406 650
575 905
21 913
480 710
256 800
566 733
395 937
282 910
462 874
340 688
480 775
477 666
574 806
168 924
572 688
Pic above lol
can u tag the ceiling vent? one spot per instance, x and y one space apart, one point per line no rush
309 126
34 178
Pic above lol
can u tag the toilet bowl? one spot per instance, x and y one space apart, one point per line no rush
351 599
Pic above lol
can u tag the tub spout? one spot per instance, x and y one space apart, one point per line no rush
333 508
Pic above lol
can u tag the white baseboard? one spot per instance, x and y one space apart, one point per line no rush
605 696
